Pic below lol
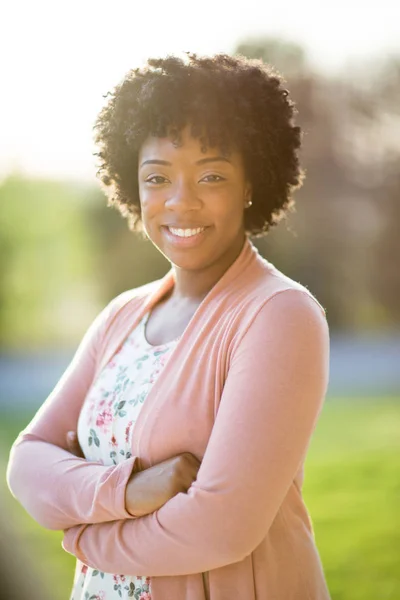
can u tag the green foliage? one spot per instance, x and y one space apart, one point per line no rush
351 490
122 259
63 255
286 56
45 260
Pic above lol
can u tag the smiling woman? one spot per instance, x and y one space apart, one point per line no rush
193 199
191 400
227 103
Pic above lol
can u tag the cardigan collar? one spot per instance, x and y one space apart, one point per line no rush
131 312
248 256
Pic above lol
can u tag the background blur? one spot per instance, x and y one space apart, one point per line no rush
64 255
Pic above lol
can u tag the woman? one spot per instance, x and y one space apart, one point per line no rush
194 397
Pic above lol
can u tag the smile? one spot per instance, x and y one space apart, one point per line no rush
185 237
186 232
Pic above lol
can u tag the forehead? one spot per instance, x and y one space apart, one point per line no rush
188 146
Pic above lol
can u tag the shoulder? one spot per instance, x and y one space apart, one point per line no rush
274 304
139 293
285 325
269 282
131 298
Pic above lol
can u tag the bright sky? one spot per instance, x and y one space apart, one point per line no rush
59 58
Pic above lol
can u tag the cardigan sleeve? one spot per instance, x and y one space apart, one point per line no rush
272 398
58 489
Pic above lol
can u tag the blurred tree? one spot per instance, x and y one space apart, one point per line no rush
286 56
385 270
371 157
46 287
123 259
308 249
328 244
64 253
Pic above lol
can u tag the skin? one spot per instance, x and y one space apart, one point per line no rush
187 188
193 189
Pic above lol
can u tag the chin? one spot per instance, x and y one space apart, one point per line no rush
188 263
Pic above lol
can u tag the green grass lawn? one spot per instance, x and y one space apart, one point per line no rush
351 489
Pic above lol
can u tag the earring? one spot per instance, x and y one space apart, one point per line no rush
249 203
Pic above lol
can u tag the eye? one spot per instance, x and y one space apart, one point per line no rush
156 179
213 178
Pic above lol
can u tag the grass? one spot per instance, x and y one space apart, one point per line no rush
351 489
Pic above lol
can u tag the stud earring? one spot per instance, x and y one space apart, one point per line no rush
249 203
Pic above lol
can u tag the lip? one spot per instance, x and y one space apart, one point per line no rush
184 242
174 226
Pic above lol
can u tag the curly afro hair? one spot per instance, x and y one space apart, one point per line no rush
228 101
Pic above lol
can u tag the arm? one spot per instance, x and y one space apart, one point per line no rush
56 488
269 407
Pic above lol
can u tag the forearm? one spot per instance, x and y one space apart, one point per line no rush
255 450
57 489
177 539
60 490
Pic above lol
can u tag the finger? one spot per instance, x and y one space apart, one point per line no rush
73 444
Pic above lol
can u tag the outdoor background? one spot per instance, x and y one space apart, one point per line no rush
64 254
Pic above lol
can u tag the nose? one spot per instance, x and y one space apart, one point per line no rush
183 197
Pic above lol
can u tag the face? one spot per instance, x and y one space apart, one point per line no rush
184 191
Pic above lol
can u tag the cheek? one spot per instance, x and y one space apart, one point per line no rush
228 202
150 203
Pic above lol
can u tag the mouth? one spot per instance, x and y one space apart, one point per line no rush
184 237
185 231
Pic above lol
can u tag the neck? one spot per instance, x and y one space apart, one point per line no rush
193 286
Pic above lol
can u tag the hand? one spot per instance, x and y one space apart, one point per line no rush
73 444
148 490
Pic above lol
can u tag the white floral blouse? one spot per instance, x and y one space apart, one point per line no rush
105 429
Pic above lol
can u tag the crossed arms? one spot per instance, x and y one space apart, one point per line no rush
269 407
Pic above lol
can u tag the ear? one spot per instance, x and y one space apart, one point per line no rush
248 191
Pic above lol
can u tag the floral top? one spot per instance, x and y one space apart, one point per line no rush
105 429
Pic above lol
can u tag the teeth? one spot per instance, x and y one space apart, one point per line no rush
186 232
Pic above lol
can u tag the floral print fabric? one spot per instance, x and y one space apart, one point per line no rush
105 428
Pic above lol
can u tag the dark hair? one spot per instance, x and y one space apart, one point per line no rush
228 101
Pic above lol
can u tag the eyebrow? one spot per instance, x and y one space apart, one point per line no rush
202 161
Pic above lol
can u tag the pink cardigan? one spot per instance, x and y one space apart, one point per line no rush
242 391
